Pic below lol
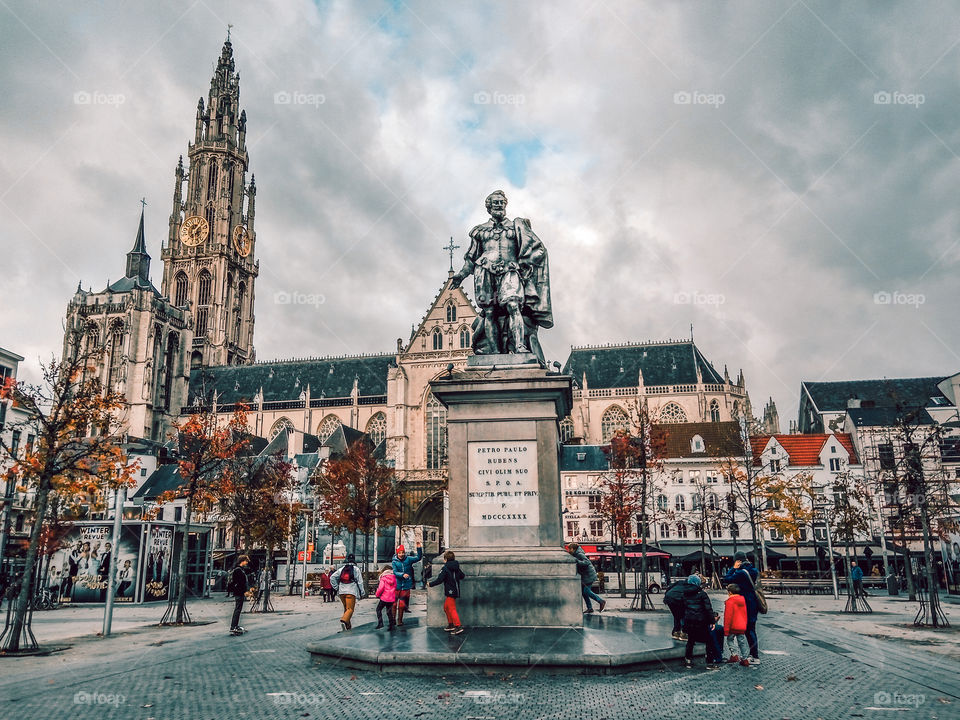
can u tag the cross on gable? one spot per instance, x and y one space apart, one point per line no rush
450 248
143 202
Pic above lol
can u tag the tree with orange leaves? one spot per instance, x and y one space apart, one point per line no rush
357 491
205 450
76 456
635 459
255 493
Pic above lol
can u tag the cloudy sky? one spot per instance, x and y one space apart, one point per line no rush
782 175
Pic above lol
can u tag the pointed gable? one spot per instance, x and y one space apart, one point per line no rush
450 313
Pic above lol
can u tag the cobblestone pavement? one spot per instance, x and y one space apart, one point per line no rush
811 668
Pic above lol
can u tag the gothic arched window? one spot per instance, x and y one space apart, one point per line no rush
437 339
238 312
464 338
377 428
212 185
662 502
451 312
714 411
169 365
664 531
204 283
327 427
210 215
672 413
566 429
681 530
281 425
680 503
614 418
116 353
180 288
436 421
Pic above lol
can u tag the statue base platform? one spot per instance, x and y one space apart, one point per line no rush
602 644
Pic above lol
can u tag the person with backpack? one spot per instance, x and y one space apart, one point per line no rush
744 575
238 586
673 599
403 569
348 584
699 621
450 575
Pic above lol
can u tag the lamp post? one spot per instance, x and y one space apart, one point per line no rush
822 508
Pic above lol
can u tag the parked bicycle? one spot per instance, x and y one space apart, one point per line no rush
46 600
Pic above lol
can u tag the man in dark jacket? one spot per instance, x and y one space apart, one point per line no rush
238 586
450 575
744 575
673 599
699 621
588 576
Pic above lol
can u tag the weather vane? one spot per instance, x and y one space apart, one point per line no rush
229 25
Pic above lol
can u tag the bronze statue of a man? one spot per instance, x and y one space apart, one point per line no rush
511 277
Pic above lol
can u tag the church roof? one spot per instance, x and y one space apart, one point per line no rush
662 363
888 392
331 377
130 283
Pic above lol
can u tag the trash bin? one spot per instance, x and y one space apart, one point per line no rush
893 587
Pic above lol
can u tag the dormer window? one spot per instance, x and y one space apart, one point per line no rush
697 445
451 312
833 448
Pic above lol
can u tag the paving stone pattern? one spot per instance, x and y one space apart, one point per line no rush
199 673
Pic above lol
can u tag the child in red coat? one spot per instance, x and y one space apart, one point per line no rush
735 624
387 594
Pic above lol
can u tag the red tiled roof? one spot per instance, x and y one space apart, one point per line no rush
803 450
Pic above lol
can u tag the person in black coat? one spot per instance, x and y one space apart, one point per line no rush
450 575
239 584
673 599
698 622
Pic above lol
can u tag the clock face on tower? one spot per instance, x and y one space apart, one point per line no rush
241 241
194 230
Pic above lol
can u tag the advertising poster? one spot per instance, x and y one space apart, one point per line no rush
157 559
80 570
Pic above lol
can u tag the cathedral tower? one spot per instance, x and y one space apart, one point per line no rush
209 264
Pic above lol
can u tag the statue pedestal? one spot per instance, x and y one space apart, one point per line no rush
505 499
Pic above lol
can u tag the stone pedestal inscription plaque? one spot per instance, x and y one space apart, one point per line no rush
503 487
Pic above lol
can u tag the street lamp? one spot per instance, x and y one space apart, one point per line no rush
821 507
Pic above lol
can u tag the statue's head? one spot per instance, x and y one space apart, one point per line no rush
496 203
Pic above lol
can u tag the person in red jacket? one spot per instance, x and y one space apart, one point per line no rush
735 625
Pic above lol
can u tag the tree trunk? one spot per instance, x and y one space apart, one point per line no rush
268 569
182 573
26 586
933 595
796 550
